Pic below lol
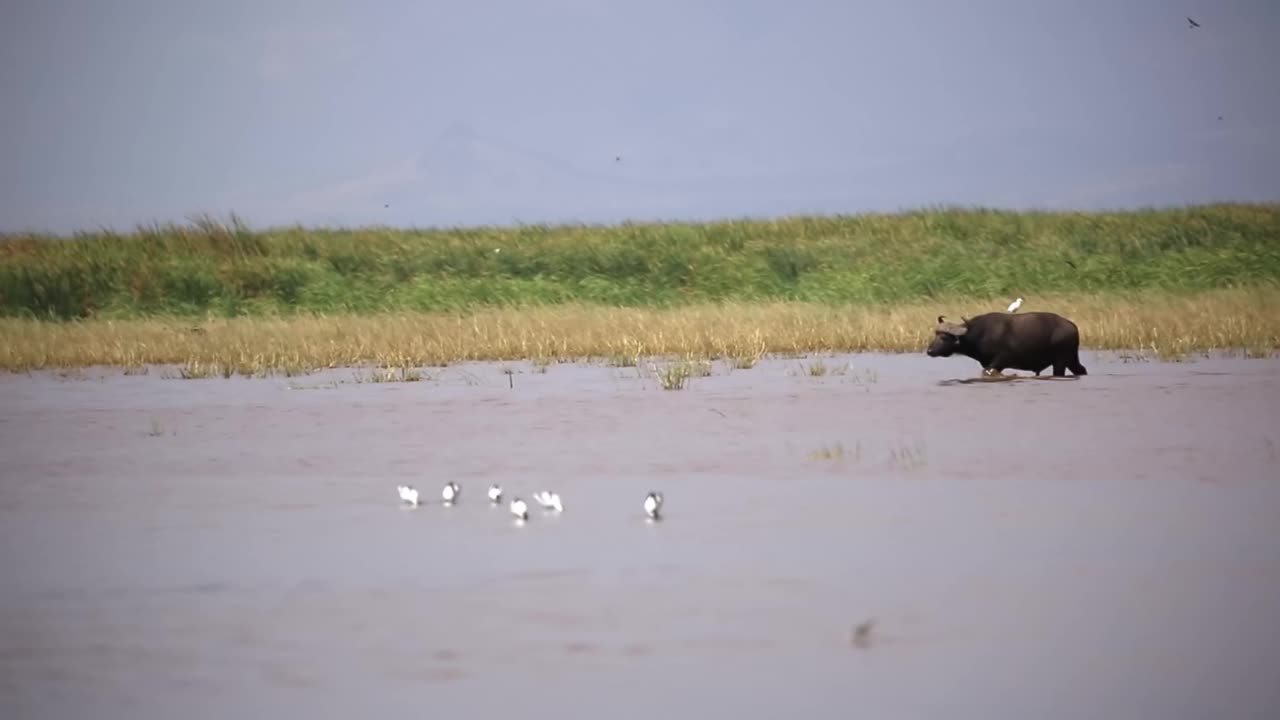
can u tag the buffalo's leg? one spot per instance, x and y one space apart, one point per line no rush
996 367
1059 369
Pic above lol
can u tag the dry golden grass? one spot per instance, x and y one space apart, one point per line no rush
1162 324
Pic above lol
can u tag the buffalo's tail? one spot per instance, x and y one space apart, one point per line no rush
1075 367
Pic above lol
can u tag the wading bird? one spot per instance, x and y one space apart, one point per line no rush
450 493
519 509
1016 304
549 500
653 504
408 494
495 494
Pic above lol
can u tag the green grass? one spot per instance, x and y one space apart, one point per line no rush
228 270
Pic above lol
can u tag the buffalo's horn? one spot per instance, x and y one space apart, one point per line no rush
951 328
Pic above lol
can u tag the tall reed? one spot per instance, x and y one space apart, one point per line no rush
1163 323
230 270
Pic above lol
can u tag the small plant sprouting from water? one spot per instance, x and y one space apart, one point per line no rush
157 430
673 376
196 370
289 369
676 374
862 377
836 452
390 375
817 368
540 364
1132 357
406 374
623 360
330 385
699 368
909 457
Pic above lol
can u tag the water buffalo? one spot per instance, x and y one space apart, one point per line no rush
1023 341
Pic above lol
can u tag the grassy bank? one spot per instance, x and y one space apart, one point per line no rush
1156 322
230 271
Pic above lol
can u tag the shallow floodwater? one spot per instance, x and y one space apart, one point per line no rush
1107 547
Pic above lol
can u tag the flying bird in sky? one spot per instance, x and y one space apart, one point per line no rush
1194 24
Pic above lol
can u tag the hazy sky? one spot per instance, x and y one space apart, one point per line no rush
498 111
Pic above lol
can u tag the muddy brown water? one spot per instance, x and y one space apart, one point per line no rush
1054 548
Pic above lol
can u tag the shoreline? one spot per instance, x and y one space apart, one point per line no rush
1158 324
837 365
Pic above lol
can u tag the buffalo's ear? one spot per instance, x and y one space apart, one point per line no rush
942 319
964 320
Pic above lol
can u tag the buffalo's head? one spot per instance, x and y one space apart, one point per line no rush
946 338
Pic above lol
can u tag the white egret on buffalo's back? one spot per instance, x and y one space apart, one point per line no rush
1016 304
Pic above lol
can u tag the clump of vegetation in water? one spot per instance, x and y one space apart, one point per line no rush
909 456
836 452
674 376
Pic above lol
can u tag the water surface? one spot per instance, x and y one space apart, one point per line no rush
1049 548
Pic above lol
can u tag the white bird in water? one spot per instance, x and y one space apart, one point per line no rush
495 494
549 500
653 504
408 494
1016 304
450 493
519 509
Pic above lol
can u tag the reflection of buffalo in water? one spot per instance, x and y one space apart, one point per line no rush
1015 341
